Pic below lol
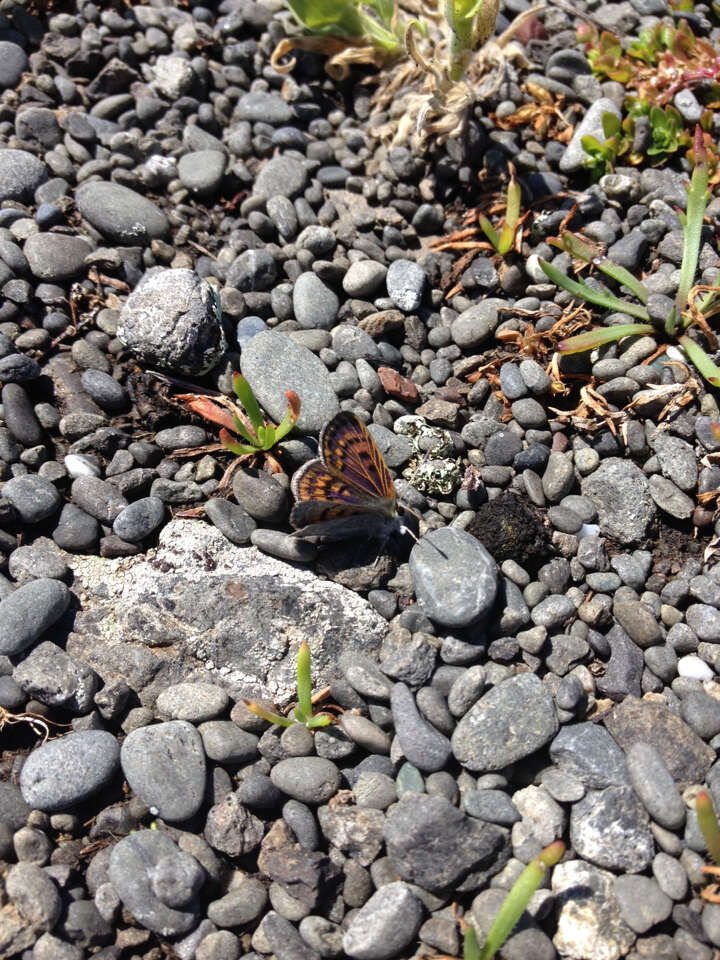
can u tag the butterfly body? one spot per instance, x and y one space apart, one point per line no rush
348 490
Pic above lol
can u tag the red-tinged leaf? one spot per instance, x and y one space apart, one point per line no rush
231 444
294 403
699 150
268 715
208 409
715 427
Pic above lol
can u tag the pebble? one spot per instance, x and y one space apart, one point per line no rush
652 782
136 864
422 744
139 519
455 578
509 722
165 766
121 215
642 903
405 284
63 773
623 498
274 363
593 837
311 780
431 843
29 611
385 925
192 701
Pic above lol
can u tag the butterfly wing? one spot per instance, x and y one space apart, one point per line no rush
325 495
347 448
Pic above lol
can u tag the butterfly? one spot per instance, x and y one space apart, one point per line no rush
347 491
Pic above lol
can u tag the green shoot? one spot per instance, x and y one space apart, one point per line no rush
708 824
692 222
601 298
503 243
513 906
303 713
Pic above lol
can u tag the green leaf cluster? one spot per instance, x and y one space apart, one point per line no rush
687 310
503 242
260 436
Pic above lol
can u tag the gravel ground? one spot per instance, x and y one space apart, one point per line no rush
543 664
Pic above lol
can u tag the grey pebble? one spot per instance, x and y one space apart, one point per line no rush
386 924
423 745
132 867
63 773
29 611
139 519
455 578
511 721
310 780
164 765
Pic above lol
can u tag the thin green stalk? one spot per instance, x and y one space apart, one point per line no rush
601 298
692 222
593 339
700 359
304 684
708 824
577 248
519 897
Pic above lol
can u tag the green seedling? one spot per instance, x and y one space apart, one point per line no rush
245 421
707 821
260 435
601 157
513 906
303 712
694 305
504 241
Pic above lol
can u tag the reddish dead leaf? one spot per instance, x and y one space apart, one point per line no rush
208 409
396 385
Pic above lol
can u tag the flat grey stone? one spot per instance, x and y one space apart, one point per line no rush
511 721
164 765
120 214
63 773
29 611
455 577
273 363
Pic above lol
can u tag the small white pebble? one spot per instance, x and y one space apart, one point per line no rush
695 668
79 466
588 530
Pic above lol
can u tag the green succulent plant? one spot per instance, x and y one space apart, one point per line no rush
303 712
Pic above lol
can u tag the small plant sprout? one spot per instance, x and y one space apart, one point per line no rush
245 421
504 242
261 436
303 712
694 303
515 902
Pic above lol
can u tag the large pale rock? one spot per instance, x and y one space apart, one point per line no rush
198 607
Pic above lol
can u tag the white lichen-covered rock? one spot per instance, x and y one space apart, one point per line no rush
198 607
590 925
173 320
